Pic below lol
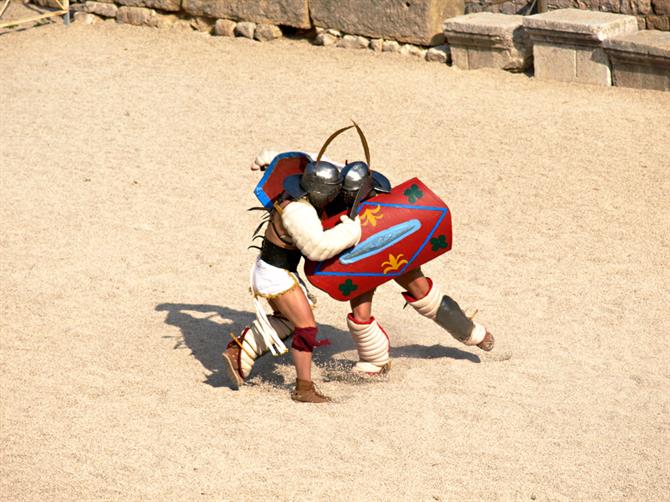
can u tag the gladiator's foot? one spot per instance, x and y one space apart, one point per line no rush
487 343
372 369
231 357
306 392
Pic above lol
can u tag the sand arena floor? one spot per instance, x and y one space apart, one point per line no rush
124 159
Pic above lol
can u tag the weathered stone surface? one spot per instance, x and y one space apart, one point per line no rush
579 24
641 43
203 24
377 44
224 28
325 38
168 5
658 22
135 15
390 46
416 22
102 9
640 60
267 32
635 7
84 18
413 50
439 54
353 42
661 7
554 62
278 12
567 44
472 36
584 65
163 21
245 29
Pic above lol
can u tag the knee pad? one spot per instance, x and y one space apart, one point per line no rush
304 339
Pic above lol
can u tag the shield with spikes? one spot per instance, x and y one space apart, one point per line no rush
400 231
270 187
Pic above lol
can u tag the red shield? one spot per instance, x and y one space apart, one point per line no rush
271 186
401 230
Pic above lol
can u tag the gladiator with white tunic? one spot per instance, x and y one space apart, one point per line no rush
295 230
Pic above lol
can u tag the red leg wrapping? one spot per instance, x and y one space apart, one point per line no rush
304 339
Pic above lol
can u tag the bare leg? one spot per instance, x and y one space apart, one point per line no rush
361 306
295 307
415 283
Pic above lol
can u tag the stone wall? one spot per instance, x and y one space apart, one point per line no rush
651 14
417 22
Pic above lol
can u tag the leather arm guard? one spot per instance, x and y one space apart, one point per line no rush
372 343
302 222
448 314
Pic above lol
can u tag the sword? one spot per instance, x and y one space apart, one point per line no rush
362 193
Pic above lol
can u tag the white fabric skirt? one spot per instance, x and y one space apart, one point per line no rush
269 281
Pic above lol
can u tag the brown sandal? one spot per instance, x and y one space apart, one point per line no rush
487 343
306 392
231 357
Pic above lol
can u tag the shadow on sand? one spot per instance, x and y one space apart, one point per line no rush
205 331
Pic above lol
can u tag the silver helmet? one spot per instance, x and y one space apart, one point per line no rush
320 182
355 175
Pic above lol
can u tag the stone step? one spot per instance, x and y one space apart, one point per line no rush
488 40
567 44
640 60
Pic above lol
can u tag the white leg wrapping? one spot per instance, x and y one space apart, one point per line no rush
254 344
372 344
429 305
477 335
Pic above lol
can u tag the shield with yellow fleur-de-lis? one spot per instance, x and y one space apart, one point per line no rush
400 231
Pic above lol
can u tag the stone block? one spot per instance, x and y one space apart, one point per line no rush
203 24
135 15
102 9
567 44
245 29
278 12
658 23
377 44
416 22
84 18
575 25
353 42
163 21
661 7
640 60
413 50
390 46
488 40
439 54
167 5
224 28
267 32
325 39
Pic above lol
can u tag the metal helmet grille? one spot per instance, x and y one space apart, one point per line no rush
354 175
322 181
